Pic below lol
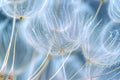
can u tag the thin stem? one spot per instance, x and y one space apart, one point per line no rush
4 66
38 70
61 66
14 51
32 62
77 71
64 72
98 10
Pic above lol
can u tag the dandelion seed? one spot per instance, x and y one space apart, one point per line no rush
102 47
53 30
105 49
17 9
43 38
112 45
